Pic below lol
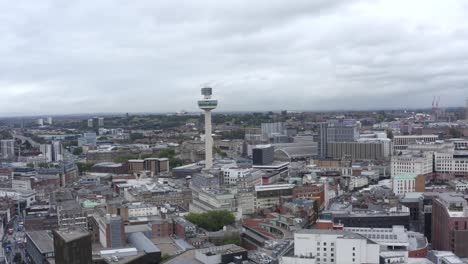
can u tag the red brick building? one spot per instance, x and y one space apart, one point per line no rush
310 191
450 224
162 228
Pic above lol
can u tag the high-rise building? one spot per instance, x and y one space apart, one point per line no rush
208 104
88 139
7 148
72 246
263 154
100 121
335 131
450 224
57 149
110 230
322 139
339 131
49 120
271 129
40 121
46 150
53 152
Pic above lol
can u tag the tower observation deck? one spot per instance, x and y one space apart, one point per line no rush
207 104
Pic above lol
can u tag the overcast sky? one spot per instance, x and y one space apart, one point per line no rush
152 56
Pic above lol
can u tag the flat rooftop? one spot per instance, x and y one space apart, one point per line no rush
342 233
227 249
43 240
72 234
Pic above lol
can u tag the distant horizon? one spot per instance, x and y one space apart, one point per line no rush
92 114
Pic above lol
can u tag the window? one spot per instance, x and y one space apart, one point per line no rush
354 260
354 254
332 254
318 259
332 249
325 260
324 243
354 248
332 244
332 260
318 249
324 249
318 243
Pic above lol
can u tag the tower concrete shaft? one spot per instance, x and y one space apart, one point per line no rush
207 104
208 141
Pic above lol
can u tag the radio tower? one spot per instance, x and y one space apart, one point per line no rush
207 104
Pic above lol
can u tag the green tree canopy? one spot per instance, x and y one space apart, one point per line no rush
78 151
212 220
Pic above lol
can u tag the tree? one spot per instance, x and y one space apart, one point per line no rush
82 167
78 151
165 257
171 155
43 165
136 136
233 134
389 134
455 133
212 220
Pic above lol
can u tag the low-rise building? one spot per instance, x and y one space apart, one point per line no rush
401 142
267 196
408 183
332 246
39 246
419 163
221 255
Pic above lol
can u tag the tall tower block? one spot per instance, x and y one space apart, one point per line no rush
207 104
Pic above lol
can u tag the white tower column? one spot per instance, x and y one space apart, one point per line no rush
208 141
207 104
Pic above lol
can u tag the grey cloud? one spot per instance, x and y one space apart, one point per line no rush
142 56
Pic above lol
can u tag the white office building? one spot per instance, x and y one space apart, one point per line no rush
142 209
449 162
412 163
332 247
402 142
241 177
459 185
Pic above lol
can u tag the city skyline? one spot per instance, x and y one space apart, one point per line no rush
154 57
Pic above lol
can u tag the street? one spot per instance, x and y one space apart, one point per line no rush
14 243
